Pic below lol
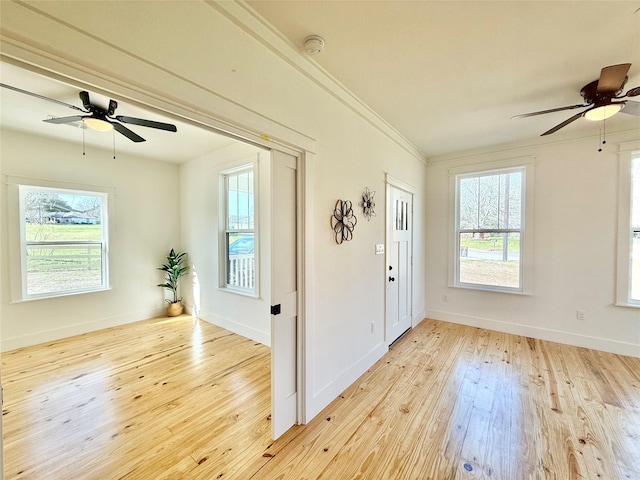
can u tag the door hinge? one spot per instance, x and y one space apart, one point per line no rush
275 309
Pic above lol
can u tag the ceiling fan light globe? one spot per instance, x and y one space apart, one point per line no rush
603 112
98 125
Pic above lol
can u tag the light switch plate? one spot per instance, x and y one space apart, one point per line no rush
379 248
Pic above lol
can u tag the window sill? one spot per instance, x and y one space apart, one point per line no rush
627 305
59 295
482 288
240 292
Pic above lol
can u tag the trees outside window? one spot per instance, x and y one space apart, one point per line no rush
489 229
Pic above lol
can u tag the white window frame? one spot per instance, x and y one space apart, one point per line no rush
525 165
627 154
224 230
16 188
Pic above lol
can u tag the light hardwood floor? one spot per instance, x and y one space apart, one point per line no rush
183 399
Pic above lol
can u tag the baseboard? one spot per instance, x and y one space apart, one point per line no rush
77 329
575 339
329 393
417 318
235 327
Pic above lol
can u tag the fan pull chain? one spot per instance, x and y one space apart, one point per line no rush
114 144
602 135
599 139
83 151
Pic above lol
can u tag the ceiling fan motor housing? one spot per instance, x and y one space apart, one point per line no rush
591 95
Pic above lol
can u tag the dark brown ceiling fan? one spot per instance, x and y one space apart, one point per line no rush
602 98
98 118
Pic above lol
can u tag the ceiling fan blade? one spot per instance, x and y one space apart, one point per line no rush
634 92
41 97
542 112
127 133
613 77
564 124
147 123
632 108
74 118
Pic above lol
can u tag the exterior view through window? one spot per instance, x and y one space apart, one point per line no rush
64 241
489 221
239 232
635 231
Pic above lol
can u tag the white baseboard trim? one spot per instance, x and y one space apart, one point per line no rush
575 339
329 393
77 329
417 318
235 327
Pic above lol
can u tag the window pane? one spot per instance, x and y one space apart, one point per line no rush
635 267
63 268
56 216
510 214
490 259
491 201
240 260
635 229
635 193
469 194
240 201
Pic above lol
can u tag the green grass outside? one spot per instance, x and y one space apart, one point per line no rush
490 243
50 232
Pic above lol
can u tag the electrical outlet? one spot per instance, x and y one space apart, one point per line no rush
444 298
581 315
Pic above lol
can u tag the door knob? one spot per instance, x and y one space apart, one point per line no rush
391 279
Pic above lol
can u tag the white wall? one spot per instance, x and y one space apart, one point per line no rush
145 227
575 230
199 211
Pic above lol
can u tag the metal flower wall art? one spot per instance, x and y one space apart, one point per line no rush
343 221
368 204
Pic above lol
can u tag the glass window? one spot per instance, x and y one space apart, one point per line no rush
634 260
489 229
239 234
63 241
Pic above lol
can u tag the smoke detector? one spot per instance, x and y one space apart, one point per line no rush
313 44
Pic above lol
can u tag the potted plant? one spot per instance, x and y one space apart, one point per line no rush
174 270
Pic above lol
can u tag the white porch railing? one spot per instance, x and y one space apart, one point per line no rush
242 271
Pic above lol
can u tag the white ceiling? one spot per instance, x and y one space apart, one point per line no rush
449 75
26 114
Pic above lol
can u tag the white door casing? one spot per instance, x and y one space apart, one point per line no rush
284 292
399 262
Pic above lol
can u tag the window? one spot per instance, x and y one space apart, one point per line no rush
63 241
239 233
489 229
634 260
628 282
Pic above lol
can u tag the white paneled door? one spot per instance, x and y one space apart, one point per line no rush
284 292
399 259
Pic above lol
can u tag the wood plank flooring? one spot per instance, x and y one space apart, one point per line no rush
183 399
